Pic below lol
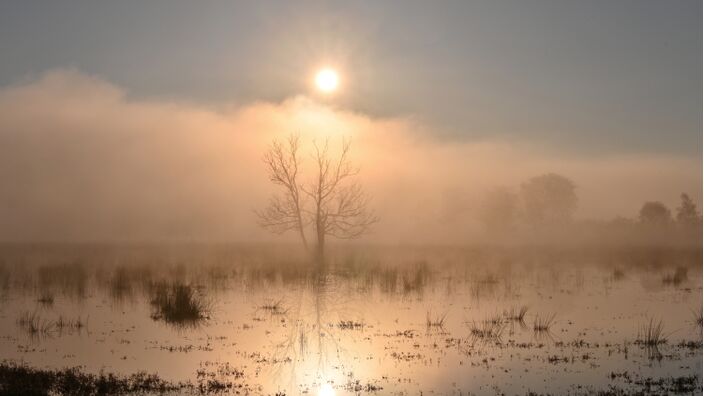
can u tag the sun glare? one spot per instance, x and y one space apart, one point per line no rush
327 80
326 390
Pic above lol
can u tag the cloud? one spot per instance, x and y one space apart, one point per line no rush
81 161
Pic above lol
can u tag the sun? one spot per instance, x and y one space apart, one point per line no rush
327 80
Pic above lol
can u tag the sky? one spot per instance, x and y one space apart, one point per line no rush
147 120
584 76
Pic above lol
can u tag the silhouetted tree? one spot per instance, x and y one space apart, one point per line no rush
655 213
498 210
285 210
549 199
340 206
333 203
687 213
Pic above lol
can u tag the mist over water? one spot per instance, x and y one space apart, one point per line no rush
83 160
262 320
132 245
338 198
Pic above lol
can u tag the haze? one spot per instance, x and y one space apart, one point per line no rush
126 123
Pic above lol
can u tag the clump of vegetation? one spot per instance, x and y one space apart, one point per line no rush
70 279
651 333
69 324
349 325
16 379
618 274
120 284
388 280
275 307
34 325
46 298
179 304
517 314
697 317
675 279
437 321
414 281
487 330
542 324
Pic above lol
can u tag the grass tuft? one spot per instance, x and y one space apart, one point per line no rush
517 314
542 324
179 304
34 325
487 330
46 298
437 321
651 333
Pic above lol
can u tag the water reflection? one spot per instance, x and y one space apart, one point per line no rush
438 320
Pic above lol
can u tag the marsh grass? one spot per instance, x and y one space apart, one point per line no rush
618 274
17 379
697 317
517 314
676 278
488 330
70 279
46 298
179 304
388 280
274 307
34 325
70 325
414 281
435 321
349 325
120 285
543 323
651 333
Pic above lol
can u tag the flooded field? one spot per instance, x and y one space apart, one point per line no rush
260 320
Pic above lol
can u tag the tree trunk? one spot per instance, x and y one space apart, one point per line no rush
320 248
300 230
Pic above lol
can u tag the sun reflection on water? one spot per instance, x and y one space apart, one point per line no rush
326 390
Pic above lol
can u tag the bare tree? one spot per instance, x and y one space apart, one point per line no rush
285 211
338 205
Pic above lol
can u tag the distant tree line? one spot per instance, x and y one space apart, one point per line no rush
550 200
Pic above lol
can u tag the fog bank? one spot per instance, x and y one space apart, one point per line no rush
82 161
